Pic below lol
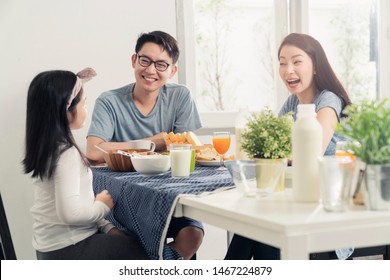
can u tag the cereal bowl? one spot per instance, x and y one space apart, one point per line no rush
120 162
149 165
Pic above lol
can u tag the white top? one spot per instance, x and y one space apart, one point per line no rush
65 211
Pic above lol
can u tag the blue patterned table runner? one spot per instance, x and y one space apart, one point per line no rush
144 204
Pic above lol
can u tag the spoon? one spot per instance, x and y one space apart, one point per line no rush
100 149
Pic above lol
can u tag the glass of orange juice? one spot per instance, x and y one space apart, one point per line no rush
343 149
221 143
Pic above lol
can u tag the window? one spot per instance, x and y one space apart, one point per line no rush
233 47
235 50
348 31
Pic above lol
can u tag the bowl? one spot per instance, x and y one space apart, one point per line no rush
151 164
121 163
255 178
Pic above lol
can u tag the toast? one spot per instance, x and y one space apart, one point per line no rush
210 154
182 138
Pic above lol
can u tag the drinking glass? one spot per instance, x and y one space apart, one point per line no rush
335 182
221 143
343 149
180 160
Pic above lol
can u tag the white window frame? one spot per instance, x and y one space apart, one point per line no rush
384 49
186 75
298 22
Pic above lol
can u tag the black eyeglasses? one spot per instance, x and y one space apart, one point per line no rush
145 61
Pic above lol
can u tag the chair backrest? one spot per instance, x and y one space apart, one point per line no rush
7 247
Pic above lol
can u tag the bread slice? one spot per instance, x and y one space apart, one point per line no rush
208 154
182 138
192 138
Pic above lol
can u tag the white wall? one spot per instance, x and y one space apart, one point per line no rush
44 35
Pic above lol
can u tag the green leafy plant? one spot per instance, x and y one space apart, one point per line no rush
368 123
267 135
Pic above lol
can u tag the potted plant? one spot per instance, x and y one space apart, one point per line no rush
368 122
268 137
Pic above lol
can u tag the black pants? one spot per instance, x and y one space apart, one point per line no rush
242 248
99 246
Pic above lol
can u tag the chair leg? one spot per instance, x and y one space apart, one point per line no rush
7 247
2 257
386 255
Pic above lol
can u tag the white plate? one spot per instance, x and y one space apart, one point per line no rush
208 162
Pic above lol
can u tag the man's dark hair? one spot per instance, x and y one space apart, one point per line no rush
166 41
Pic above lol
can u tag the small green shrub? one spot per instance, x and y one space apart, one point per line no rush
368 122
267 135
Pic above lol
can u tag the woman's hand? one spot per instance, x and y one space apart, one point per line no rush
106 198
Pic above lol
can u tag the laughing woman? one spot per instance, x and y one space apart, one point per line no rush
308 76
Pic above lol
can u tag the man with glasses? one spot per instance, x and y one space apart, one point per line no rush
144 110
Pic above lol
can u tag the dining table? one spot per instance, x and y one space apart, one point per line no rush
144 205
298 229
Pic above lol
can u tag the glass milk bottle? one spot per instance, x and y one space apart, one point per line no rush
240 126
306 148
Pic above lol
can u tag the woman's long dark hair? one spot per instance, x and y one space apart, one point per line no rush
325 77
47 127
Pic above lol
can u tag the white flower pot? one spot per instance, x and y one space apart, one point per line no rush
270 175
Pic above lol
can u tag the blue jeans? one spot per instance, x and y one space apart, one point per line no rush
177 224
242 248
